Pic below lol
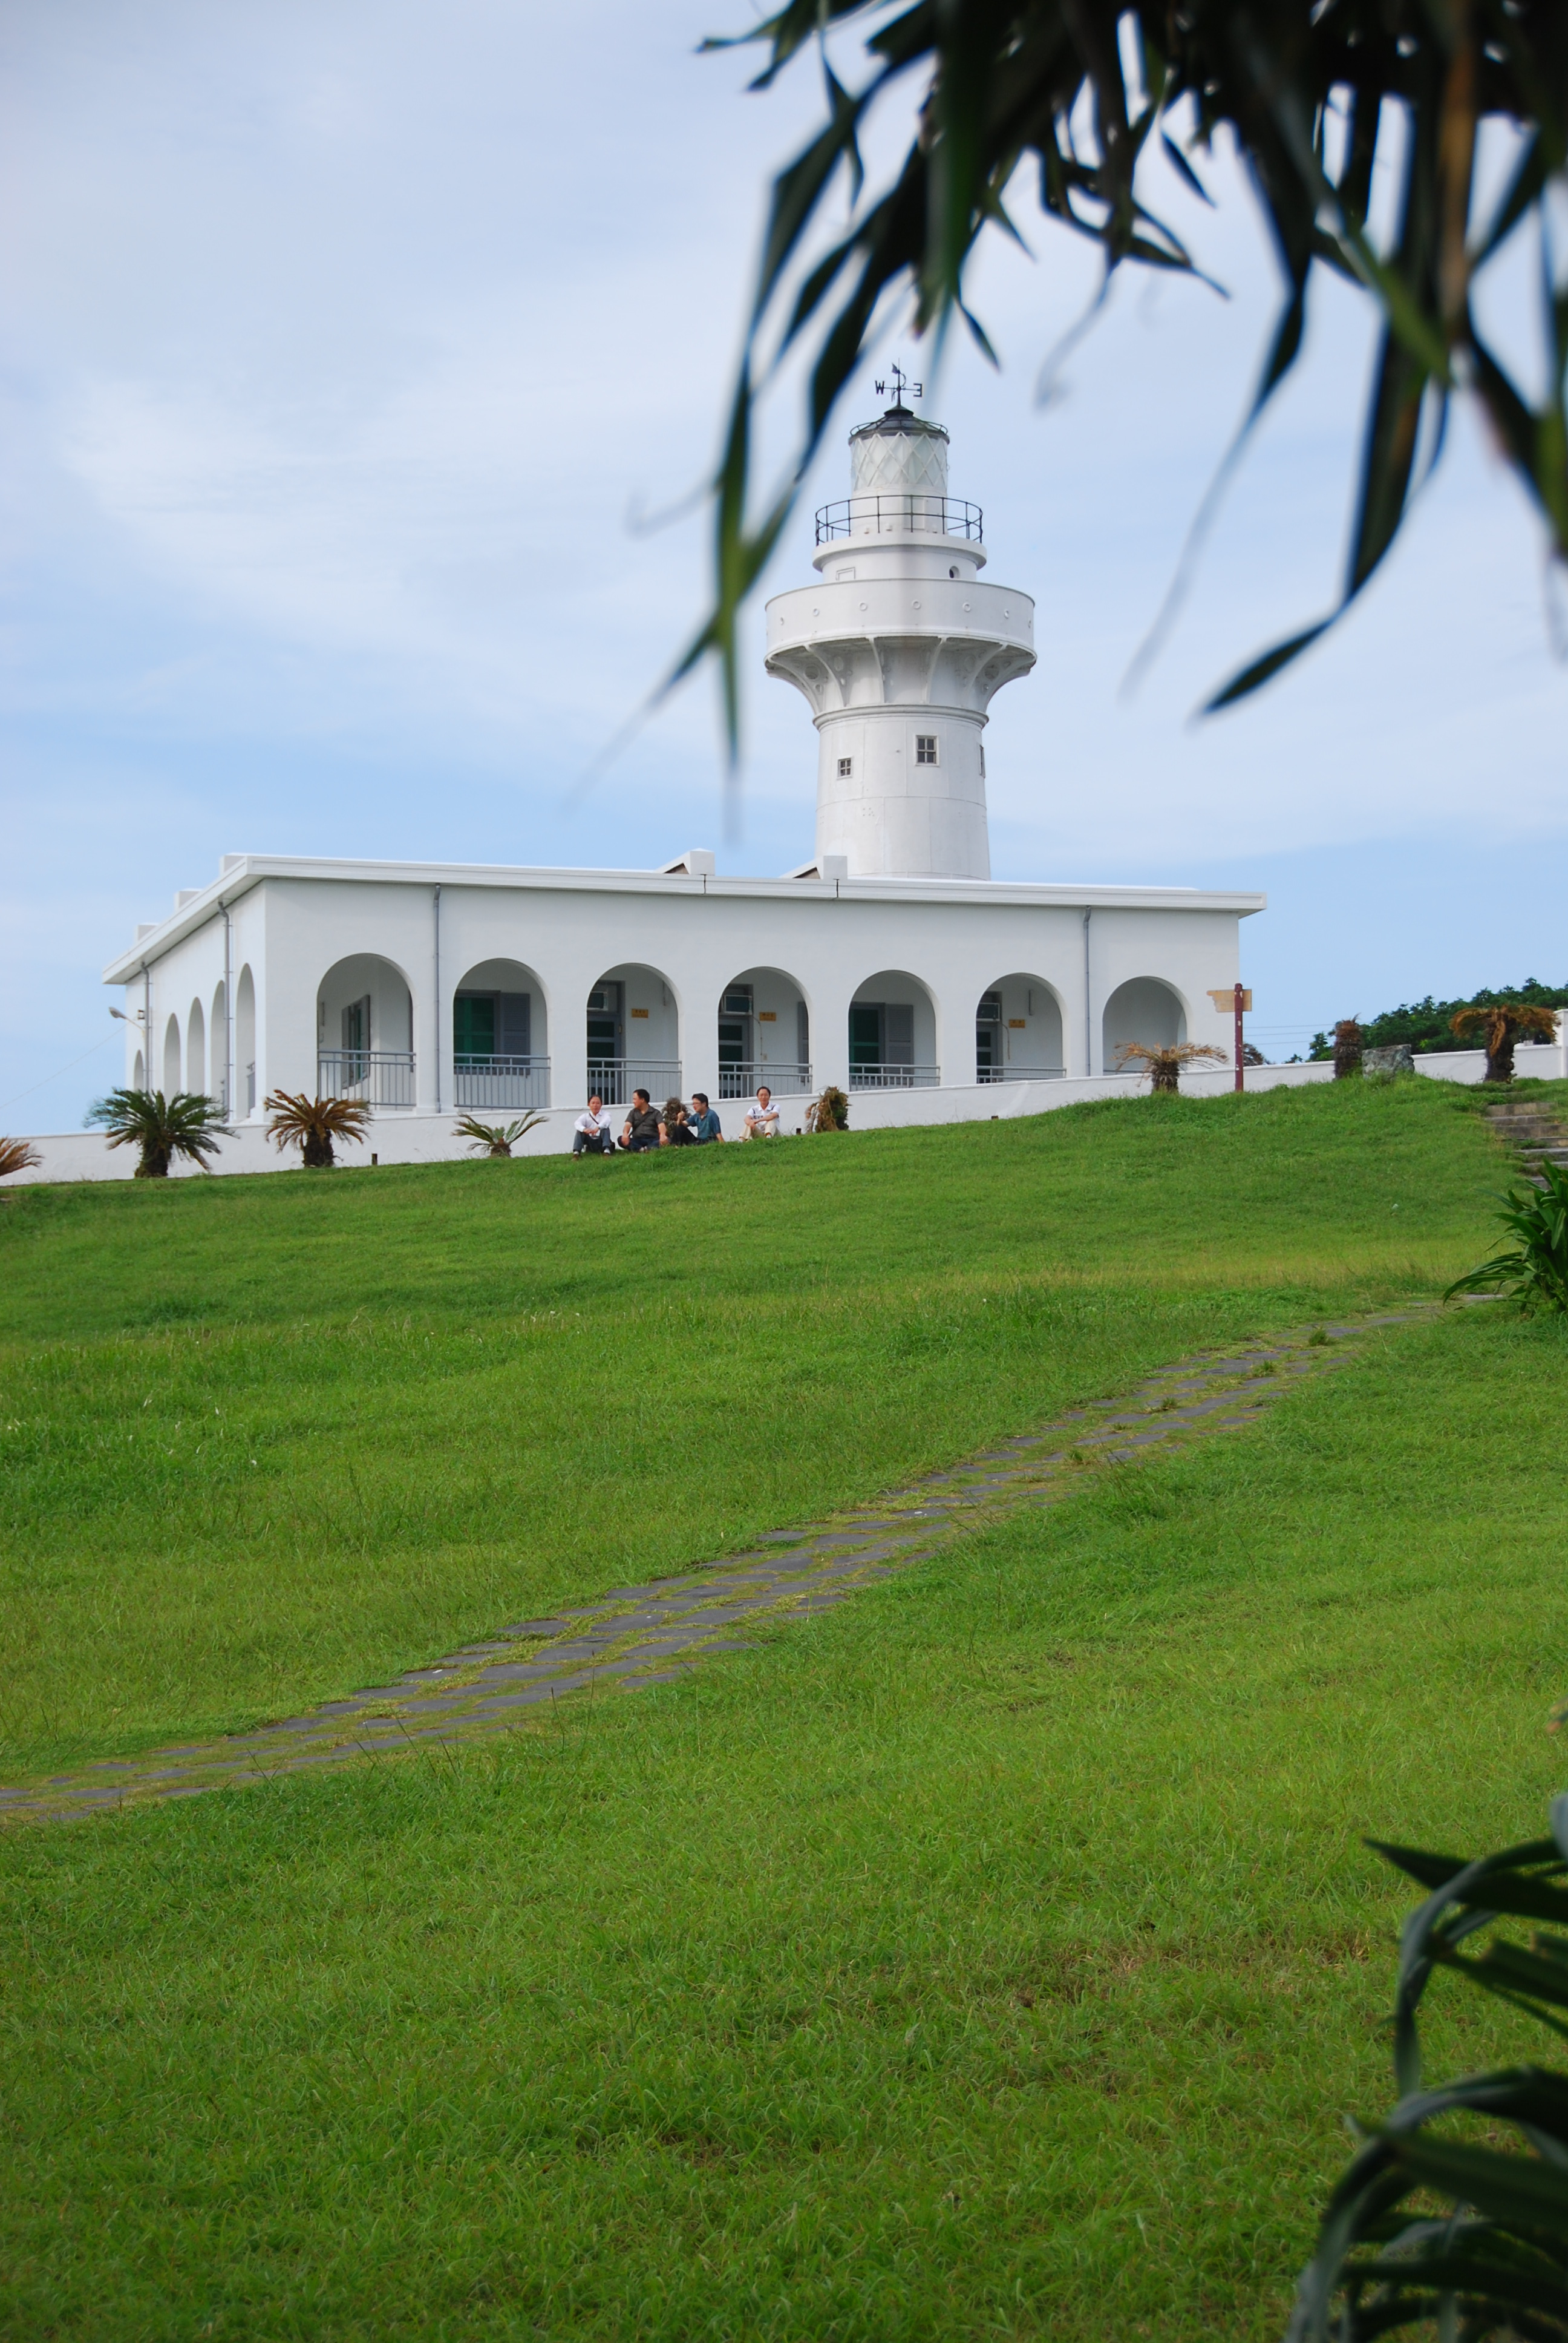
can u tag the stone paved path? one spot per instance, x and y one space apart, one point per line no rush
637 1635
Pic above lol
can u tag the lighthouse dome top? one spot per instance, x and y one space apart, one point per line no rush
900 454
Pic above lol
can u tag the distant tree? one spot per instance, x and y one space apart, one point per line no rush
1500 1027
185 1125
1072 96
1162 1061
313 1124
1429 1024
17 1155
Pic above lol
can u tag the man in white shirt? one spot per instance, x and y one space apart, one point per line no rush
762 1123
591 1131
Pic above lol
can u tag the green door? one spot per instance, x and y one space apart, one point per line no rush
473 1027
866 1033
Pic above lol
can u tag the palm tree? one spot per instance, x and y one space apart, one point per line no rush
312 1124
1162 1061
1500 1025
187 1124
16 1155
1349 1041
495 1138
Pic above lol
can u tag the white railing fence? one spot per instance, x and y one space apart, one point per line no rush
501 1082
615 1078
740 1081
894 1078
376 1078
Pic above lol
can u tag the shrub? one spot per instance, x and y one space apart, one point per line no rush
828 1112
1534 1271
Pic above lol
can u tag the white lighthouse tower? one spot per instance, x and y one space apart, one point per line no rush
899 649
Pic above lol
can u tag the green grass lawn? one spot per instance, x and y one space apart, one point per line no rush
265 1439
995 1955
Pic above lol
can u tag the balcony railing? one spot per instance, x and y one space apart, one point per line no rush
894 1078
615 1078
740 1081
1011 1073
900 516
501 1081
375 1077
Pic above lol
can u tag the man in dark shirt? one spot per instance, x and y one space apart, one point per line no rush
702 1123
641 1130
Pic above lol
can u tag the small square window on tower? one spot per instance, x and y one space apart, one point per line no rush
846 768
925 747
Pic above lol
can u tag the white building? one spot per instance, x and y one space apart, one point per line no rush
891 964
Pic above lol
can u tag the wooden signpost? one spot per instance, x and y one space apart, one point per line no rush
1239 999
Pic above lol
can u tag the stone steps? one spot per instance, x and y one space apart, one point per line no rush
1534 1137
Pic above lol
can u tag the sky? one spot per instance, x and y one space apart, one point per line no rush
362 363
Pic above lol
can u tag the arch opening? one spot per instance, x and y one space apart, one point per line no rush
1143 1009
893 1034
196 1048
1018 1032
500 1037
764 1034
633 1035
171 1057
244 1037
365 1032
218 1081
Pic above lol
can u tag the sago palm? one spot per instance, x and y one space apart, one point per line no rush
16 1155
1500 1026
1162 1061
494 1138
312 1124
165 1129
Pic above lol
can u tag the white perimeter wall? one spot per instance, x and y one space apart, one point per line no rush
428 1138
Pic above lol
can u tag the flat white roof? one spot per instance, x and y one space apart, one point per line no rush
241 873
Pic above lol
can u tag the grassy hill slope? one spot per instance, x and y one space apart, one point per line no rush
264 1439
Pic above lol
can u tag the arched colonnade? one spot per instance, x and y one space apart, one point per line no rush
498 1040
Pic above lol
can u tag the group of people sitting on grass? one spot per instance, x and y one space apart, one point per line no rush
671 1125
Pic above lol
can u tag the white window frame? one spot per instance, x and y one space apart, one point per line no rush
928 741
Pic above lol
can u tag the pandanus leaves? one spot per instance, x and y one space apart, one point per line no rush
981 107
1452 2216
1535 1268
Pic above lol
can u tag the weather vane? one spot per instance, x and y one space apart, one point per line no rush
901 383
